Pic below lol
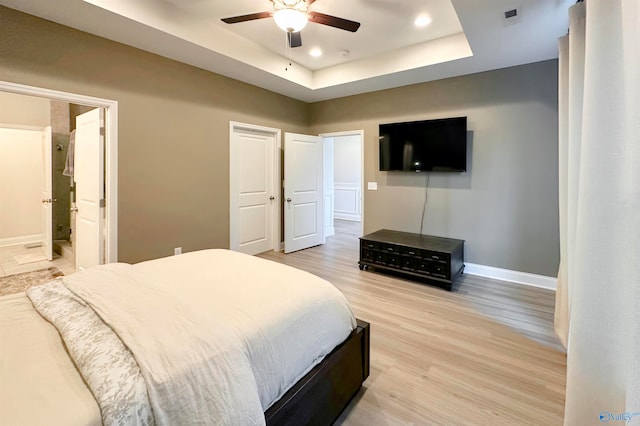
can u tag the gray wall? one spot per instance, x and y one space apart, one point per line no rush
506 205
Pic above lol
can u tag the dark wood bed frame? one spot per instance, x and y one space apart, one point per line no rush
323 393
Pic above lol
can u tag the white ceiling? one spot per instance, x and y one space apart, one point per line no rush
465 36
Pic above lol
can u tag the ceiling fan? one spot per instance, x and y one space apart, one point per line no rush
293 15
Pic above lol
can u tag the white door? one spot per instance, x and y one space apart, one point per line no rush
89 178
47 207
253 196
303 214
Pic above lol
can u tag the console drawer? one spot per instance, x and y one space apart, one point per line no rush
407 251
394 259
368 255
408 262
381 258
369 245
389 249
439 269
435 256
423 266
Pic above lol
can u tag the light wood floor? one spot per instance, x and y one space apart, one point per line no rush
484 355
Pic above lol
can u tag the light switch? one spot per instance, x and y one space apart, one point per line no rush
372 186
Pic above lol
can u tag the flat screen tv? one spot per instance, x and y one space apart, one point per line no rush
428 145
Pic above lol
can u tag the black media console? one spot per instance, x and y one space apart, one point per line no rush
436 260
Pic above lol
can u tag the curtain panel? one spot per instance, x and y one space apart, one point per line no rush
598 297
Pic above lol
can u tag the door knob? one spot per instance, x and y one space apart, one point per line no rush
272 198
73 209
288 200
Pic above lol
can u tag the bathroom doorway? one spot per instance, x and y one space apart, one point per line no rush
20 107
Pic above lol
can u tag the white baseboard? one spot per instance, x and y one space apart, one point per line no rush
516 277
347 216
23 239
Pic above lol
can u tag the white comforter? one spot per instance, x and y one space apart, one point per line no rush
219 336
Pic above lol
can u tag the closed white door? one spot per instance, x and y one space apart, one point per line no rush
253 195
89 178
47 191
303 192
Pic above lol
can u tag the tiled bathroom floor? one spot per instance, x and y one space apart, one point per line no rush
9 265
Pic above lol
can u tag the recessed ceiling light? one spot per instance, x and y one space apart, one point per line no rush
315 52
422 21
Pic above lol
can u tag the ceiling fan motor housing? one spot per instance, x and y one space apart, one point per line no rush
290 15
298 5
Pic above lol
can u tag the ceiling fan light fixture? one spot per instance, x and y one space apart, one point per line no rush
290 20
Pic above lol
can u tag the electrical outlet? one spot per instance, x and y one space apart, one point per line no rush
177 251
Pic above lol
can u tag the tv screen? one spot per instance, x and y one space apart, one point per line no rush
429 145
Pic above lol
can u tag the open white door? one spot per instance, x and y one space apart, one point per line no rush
253 198
303 193
89 178
47 208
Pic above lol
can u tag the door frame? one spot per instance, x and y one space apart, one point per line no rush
362 187
47 213
328 176
276 225
111 152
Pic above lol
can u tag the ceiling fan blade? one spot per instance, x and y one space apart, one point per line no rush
294 39
333 21
245 18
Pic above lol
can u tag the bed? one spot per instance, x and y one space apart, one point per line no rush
208 337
